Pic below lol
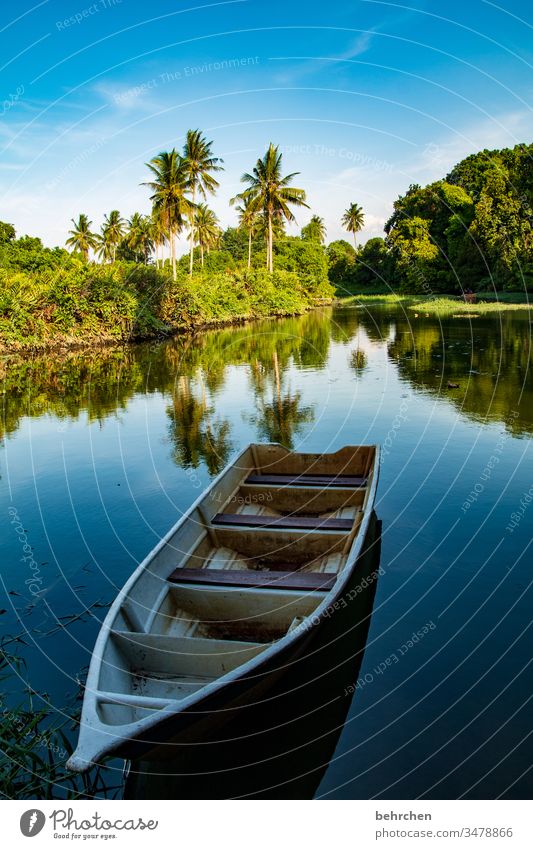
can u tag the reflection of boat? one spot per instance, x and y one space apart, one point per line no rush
281 745
235 592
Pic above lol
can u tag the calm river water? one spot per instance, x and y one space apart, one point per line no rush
103 450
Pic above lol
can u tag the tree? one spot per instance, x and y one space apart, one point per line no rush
315 231
271 193
353 220
169 186
113 230
248 221
139 238
374 265
206 228
81 238
415 255
7 232
199 164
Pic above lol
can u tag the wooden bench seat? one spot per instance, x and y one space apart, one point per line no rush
344 481
293 523
251 578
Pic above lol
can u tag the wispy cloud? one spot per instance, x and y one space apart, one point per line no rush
311 65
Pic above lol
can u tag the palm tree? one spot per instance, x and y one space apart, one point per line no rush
81 238
353 220
199 165
169 186
139 237
315 231
248 220
207 231
103 247
271 193
112 232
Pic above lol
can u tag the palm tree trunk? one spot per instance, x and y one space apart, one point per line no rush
249 248
269 247
202 254
191 258
173 255
354 239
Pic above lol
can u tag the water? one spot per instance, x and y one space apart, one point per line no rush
102 451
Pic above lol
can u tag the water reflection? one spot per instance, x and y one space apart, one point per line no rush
195 436
489 357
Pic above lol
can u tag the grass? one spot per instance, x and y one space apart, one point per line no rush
34 752
390 297
449 306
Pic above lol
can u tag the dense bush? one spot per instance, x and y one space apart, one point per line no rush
59 297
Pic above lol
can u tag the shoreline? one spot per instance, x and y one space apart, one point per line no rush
68 343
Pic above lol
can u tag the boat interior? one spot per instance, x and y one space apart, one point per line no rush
256 556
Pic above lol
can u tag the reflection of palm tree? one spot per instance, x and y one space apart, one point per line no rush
195 438
282 418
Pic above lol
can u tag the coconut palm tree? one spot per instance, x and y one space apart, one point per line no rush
81 238
272 193
169 186
139 238
353 220
315 231
206 228
103 248
199 166
113 230
248 220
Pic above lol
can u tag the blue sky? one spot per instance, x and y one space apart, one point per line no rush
363 97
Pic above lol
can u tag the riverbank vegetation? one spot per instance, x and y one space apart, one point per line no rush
470 231
126 281
449 306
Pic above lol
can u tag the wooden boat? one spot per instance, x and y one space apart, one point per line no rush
280 746
228 599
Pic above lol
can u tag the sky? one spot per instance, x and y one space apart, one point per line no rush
364 97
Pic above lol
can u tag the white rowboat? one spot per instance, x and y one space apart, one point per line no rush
227 599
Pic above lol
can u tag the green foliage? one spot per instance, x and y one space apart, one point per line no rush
7 232
34 750
341 264
374 266
124 301
315 231
305 257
